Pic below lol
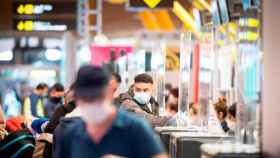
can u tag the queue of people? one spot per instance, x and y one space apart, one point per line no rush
91 115
102 123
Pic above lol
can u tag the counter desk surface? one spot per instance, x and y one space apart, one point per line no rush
230 150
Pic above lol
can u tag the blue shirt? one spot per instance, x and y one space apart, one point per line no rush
129 136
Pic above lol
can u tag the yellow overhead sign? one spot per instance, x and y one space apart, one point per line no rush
186 18
152 3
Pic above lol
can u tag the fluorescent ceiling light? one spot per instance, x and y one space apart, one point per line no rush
6 55
53 54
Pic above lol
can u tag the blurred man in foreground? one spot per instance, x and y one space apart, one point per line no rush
140 101
104 130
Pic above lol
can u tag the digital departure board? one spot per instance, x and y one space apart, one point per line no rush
42 15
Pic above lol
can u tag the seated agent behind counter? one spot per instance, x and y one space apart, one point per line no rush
139 100
104 130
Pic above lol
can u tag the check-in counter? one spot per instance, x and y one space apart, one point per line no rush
165 132
187 144
229 151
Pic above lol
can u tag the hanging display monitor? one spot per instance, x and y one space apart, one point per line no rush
44 15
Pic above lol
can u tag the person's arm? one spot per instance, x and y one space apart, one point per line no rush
27 107
147 143
155 121
54 120
3 132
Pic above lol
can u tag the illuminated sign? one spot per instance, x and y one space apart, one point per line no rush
29 9
37 8
44 16
41 25
144 4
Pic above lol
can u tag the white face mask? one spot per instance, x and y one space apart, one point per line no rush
142 97
95 113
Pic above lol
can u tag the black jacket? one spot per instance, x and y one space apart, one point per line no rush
59 112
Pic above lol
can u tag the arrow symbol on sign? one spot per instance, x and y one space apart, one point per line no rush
152 3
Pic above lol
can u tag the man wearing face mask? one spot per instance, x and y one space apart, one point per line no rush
139 100
103 130
55 99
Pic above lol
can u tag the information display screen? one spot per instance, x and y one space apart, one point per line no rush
44 15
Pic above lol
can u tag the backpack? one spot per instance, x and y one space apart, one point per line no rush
19 144
43 147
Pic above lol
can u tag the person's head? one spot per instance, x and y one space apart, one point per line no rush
193 108
115 81
93 93
69 95
56 93
42 89
142 88
221 110
173 96
232 112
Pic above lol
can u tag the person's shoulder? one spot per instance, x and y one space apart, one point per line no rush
70 126
133 121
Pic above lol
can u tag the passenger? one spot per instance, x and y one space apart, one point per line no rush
232 117
194 114
221 110
33 105
115 81
55 99
68 106
139 100
171 107
168 88
103 130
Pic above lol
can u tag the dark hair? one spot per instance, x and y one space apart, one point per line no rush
168 86
57 87
117 76
91 82
232 110
144 78
175 92
192 107
41 86
221 107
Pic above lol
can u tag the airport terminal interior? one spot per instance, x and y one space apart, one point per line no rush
139 79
